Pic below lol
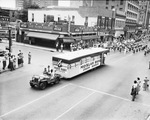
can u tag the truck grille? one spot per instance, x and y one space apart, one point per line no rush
35 80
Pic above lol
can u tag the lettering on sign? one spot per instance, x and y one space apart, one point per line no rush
57 29
77 30
23 25
89 63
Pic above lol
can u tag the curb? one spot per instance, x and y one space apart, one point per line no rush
31 46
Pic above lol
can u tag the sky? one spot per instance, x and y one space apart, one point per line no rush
8 3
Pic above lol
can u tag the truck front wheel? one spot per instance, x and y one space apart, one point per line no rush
42 85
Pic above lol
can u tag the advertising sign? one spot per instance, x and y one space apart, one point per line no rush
99 18
109 23
89 63
103 23
60 66
106 22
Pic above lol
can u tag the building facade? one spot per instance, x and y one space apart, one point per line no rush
78 15
144 13
45 3
132 17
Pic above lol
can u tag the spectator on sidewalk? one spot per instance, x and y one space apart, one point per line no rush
11 63
29 58
57 46
145 84
138 84
61 46
14 62
4 62
21 56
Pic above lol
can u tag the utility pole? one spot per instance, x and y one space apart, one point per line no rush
9 38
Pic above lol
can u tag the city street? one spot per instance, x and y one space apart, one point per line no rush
100 94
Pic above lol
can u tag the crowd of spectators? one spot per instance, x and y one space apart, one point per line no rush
11 62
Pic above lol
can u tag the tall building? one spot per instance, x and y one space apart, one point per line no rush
132 17
143 12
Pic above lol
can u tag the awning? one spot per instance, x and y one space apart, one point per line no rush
90 37
43 35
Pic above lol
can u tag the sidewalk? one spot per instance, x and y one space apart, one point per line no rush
32 46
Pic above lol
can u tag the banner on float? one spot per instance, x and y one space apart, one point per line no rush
89 63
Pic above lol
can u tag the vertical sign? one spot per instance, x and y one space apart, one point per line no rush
112 23
99 18
109 23
106 22
103 22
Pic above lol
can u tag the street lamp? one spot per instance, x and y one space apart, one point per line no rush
9 38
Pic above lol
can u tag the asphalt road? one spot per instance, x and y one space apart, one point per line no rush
100 94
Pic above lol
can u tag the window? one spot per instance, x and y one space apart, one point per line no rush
73 18
106 7
50 18
120 9
112 7
107 2
121 2
32 17
44 18
58 19
86 21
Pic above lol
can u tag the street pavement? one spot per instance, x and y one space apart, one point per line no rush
100 94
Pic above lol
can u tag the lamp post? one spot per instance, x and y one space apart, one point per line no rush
9 38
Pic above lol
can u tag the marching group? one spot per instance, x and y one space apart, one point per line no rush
138 85
11 62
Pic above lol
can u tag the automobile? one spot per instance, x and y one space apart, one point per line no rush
2 52
41 81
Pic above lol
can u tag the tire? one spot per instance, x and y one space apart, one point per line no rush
57 80
32 85
42 85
